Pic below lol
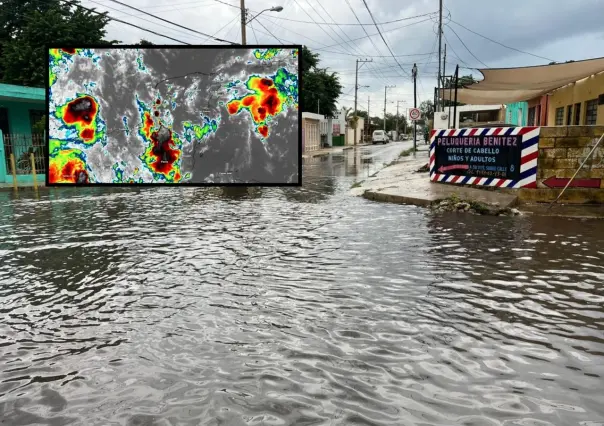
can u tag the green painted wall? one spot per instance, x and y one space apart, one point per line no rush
517 113
18 114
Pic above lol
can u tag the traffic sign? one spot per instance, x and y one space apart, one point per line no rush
414 114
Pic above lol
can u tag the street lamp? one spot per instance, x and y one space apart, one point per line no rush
245 21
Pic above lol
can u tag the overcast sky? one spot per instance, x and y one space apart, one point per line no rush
553 30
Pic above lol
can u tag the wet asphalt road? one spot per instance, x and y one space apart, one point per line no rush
295 307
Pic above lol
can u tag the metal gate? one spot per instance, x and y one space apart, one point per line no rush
312 137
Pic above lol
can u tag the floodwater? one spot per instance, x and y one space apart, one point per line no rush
295 307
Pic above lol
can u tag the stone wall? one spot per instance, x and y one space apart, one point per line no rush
562 149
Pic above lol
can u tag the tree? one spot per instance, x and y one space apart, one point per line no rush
427 109
144 42
463 81
29 26
320 88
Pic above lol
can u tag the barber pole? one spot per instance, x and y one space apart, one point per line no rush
528 162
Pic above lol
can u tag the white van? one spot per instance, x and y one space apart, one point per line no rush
379 136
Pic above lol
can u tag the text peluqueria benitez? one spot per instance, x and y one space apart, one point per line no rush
474 141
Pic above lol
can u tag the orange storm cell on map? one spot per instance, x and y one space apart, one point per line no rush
147 124
263 130
161 164
87 134
266 102
233 107
68 174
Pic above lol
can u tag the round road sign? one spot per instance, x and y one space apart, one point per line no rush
414 114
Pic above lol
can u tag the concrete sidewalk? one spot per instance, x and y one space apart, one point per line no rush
332 150
401 183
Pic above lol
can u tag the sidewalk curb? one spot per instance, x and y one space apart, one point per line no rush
397 199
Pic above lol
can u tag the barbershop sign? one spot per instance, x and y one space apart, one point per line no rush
505 156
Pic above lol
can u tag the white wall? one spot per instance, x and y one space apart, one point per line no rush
443 123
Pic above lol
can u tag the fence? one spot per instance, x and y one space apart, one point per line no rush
21 146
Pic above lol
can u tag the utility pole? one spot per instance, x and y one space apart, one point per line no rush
440 35
397 119
368 117
444 76
385 94
243 22
356 90
414 75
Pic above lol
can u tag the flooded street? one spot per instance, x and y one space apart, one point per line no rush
295 307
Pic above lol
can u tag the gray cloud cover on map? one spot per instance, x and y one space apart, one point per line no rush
234 149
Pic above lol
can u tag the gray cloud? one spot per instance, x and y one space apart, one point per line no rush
548 28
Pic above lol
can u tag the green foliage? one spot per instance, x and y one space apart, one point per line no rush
320 88
29 26
427 109
144 42
40 126
463 81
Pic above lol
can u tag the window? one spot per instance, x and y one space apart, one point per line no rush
531 116
591 112
4 126
569 115
559 116
577 114
35 115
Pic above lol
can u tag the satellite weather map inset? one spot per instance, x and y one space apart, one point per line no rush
174 115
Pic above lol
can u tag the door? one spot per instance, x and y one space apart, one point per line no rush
4 145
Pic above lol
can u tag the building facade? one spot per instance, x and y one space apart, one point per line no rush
20 109
516 113
580 103
311 131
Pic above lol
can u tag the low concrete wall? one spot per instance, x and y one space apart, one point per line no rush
562 149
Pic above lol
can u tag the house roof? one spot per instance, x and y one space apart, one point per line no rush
508 85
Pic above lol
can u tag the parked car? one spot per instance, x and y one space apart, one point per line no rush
379 136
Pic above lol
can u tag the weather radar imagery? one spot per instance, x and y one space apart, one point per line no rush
174 115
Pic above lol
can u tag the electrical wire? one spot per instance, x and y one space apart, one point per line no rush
254 32
177 32
270 33
334 23
73 3
172 23
501 44
464 45
383 39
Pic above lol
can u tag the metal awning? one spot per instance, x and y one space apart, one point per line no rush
507 85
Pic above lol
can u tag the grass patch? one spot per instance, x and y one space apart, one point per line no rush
406 152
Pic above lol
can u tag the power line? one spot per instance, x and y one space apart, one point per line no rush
501 44
178 32
172 23
464 45
455 53
270 33
374 34
106 15
254 32
383 39
333 23
350 42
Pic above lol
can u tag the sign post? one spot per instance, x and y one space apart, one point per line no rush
414 114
